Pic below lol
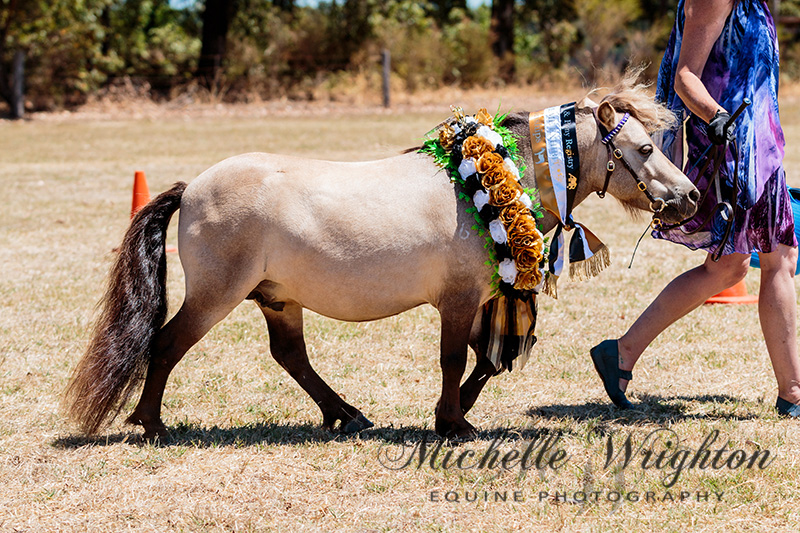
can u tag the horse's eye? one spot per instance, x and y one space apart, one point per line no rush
647 149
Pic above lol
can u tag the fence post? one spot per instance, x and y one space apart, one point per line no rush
387 67
18 85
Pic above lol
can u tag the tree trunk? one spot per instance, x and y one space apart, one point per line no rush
17 100
217 16
442 8
502 34
284 5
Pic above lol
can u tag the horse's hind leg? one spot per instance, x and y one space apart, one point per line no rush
288 348
170 344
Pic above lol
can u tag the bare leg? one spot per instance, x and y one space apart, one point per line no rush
683 294
288 348
776 310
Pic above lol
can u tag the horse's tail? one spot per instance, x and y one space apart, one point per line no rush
133 309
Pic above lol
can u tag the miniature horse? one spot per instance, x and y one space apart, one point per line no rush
351 241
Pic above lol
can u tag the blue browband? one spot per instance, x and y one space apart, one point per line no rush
618 127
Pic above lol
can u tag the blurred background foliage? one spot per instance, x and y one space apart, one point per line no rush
241 50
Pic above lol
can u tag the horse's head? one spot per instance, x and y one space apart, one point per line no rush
642 176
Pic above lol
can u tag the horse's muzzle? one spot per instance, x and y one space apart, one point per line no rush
678 208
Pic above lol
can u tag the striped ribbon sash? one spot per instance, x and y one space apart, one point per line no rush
507 331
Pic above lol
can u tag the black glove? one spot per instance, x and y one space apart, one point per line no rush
718 133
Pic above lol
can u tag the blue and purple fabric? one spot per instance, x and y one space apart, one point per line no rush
742 64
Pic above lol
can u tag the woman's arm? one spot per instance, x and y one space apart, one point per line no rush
703 25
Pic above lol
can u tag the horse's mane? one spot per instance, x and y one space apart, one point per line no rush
630 96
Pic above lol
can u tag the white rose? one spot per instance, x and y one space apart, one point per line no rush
507 270
498 232
467 168
490 135
525 199
512 167
480 199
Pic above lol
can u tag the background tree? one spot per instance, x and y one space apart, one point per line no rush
72 50
59 43
502 35
217 16
441 9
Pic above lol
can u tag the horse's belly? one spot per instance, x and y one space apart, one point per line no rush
372 287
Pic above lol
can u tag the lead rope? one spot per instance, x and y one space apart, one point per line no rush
635 248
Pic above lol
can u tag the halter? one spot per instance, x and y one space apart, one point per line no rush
656 204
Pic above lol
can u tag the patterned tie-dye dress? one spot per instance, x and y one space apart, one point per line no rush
742 64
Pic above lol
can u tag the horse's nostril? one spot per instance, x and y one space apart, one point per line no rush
694 195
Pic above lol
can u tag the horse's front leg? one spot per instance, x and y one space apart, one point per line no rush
456 325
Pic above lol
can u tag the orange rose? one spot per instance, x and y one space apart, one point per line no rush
528 280
492 169
476 147
484 118
532 240
488 161
509 213
522 227
526 259
447 137
504 193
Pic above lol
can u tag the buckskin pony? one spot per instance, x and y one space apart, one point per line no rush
292 233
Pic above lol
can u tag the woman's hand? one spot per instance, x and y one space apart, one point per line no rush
705 20
719 132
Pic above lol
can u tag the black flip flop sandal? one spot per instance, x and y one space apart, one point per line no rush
787 408
605 357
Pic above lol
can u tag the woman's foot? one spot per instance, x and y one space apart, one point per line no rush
787 408
605 357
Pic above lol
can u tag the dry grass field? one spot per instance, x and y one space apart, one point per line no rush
246 452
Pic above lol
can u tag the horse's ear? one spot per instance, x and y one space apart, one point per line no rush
607 115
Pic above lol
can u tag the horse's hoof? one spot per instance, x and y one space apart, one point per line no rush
154 437
461 432
356 424
462 435
152 431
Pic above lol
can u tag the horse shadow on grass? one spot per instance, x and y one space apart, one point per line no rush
653 408
269 433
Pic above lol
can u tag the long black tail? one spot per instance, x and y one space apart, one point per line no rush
133 309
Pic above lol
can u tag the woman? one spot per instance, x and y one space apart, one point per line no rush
720 52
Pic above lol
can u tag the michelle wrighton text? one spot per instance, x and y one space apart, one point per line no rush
660 450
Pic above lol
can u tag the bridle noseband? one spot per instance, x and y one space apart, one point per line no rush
656 204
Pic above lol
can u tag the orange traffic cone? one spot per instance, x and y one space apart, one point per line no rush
141 192
734 295
141 197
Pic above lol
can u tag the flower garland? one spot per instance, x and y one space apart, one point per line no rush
478 154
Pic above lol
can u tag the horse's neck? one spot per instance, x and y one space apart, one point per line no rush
592 157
